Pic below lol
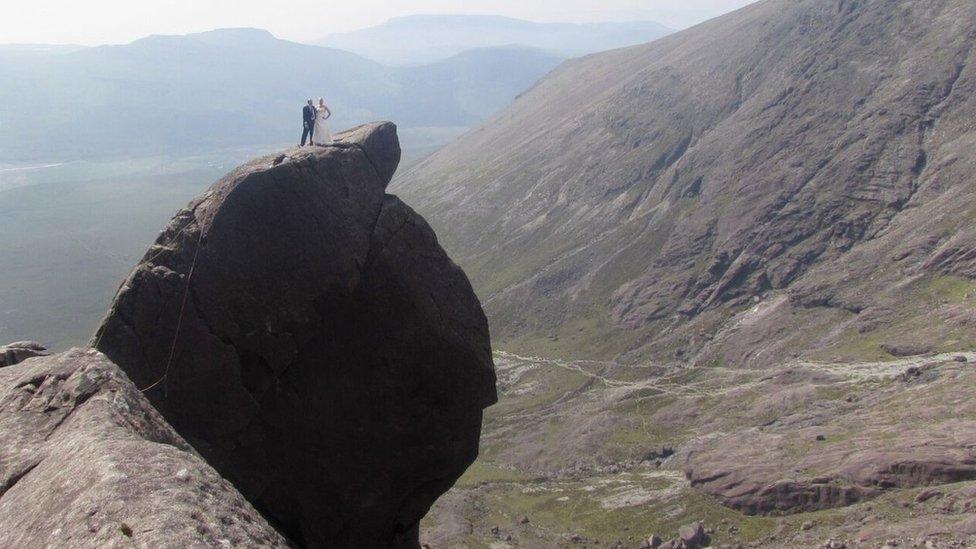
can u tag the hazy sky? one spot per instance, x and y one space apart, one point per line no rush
93 22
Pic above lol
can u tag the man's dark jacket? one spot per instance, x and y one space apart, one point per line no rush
308 113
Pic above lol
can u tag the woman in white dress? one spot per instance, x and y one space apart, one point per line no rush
322 135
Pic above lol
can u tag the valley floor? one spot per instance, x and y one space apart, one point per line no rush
582 453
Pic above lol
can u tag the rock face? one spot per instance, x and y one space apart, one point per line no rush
692 535
641 197
903 432
15 353
306 333
86 461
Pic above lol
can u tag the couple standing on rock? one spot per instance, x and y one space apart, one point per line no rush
316 121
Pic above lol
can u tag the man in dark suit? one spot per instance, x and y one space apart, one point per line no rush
308 114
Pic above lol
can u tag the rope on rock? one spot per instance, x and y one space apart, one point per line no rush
179 323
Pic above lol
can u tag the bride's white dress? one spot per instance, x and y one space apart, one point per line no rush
321 135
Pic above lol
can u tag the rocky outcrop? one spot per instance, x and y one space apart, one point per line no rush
87 462
15 353
764 483
306 333
907 430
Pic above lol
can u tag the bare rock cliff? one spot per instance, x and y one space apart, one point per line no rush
306 333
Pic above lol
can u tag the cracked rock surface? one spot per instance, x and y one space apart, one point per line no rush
330 359
87 462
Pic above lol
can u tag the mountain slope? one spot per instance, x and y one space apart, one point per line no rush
228 88
704 259
478 82
426 38
802 161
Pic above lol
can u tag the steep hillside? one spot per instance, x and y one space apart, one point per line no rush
792 179
426 38
731 276
228 88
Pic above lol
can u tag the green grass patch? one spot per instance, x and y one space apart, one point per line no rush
482 472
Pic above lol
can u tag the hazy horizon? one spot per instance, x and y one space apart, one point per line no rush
62 22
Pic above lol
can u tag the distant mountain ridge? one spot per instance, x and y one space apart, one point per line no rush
231 87
419 39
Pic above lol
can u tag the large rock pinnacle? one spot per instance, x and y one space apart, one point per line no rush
306 333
